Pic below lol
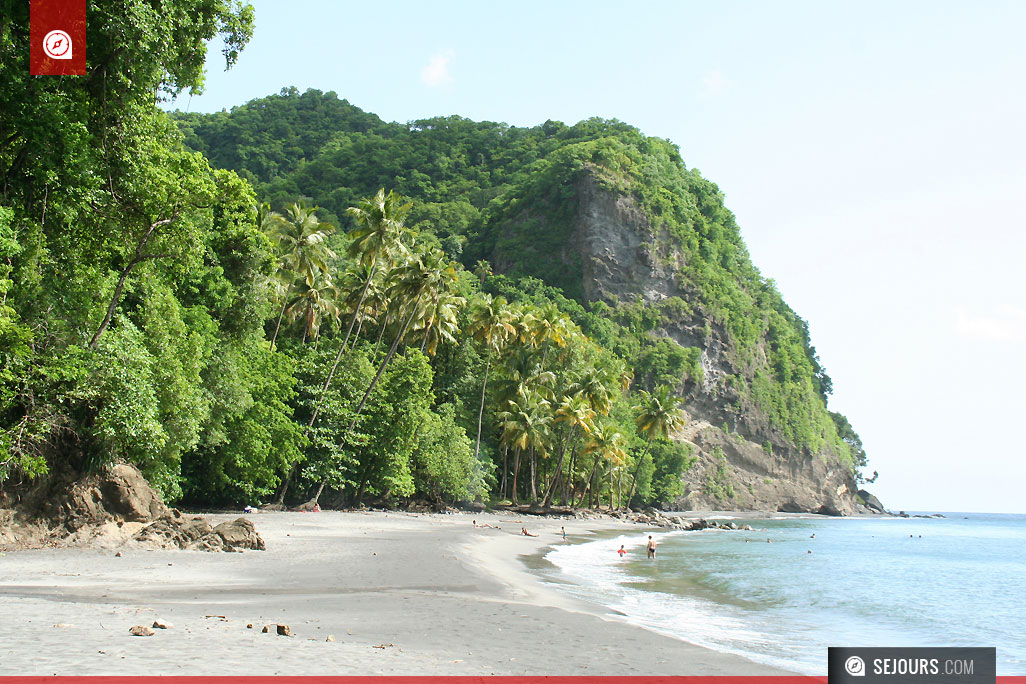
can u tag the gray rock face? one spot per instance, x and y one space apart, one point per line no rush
872 503
622 259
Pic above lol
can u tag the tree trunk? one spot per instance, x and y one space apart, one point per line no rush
610 489
277 325
534 476
637 471
136 260
480 412
317 495
505 472
516 473
559 466
381 334
341 349
384 364
587 484
568 480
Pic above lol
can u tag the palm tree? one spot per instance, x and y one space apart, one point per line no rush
491 324
482 269
418 280
522 372
438 321
378 233
575 412
550 325
353 280
606 442
595 387
525 425
311 302
300 239
658 415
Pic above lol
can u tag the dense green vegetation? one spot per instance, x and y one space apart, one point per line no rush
296 300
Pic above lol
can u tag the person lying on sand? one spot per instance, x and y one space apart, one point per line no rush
482 524
523 531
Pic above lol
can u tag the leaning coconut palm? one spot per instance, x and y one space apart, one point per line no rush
300 240
380 227
418 279
377 237
658 415
491 324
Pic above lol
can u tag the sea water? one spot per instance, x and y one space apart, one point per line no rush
953 581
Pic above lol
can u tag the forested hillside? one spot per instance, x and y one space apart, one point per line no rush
297 301
515 199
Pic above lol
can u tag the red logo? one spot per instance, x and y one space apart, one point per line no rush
57 37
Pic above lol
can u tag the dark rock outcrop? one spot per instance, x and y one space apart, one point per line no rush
871 502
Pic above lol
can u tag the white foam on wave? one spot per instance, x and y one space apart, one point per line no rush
598 574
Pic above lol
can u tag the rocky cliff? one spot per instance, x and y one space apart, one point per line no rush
743 461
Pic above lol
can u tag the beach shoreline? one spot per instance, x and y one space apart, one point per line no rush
400 593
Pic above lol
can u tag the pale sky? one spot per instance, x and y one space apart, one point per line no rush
873 152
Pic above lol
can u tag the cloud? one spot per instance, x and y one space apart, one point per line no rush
714 82
436 71
1004 324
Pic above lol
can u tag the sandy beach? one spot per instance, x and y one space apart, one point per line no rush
400 593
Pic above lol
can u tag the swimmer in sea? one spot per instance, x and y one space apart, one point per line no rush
622 551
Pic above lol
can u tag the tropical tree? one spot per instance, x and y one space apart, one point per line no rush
605 442
300 240
491 324
579 416
380 226
378 233
525 426
482 269
421 278
658 415
311 302
438 321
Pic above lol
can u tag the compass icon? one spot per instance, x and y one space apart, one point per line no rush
57 45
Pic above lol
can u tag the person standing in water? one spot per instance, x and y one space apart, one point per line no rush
651 547
622 551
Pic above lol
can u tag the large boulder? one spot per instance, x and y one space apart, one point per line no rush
871 501
110 508
239 534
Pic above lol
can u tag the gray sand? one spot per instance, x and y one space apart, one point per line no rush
401 594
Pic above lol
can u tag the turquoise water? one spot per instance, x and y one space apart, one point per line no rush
957 581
